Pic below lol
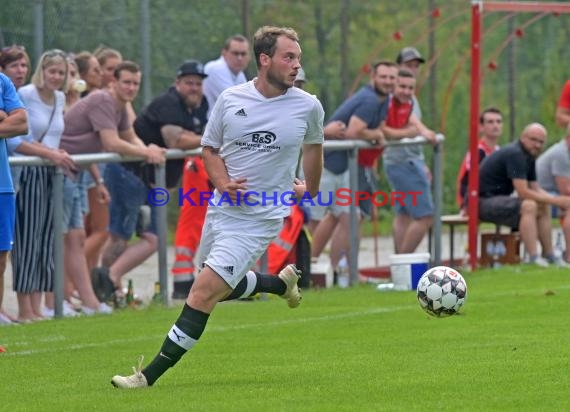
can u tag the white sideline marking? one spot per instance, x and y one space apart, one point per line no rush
222 329
215 329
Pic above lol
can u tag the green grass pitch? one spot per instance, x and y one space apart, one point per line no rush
342 350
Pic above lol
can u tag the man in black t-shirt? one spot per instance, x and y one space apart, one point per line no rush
512 169
176 118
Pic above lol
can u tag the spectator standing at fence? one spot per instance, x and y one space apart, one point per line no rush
512 170
563 108
89 71
176 120
32 256
228 69
13 122
490 129
97 217
410 58
15 63
235 237
108 60
101 122
553 175
362 114
76 85
405 167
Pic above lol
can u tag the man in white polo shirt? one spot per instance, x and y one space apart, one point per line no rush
251 144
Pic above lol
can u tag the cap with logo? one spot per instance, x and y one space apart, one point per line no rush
408 54
191 67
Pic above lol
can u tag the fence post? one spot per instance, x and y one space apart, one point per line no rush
162 229
437 200
354 225
58 282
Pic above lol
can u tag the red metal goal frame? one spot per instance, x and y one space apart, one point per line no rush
477 9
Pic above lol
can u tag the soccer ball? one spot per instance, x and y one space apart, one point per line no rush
441 291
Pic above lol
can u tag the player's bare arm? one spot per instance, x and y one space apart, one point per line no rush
312 167
218 174
15 124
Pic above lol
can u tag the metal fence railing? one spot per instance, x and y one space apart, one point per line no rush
352 145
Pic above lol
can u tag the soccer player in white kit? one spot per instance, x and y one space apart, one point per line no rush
250 146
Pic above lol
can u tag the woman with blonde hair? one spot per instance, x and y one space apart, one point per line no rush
32 254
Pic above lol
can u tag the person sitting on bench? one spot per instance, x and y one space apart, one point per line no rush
512 170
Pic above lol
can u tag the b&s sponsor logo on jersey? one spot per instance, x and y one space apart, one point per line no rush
259 141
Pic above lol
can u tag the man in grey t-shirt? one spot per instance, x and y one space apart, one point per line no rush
553 175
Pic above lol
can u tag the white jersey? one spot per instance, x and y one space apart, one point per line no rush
260 140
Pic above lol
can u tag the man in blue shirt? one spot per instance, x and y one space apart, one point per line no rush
13 122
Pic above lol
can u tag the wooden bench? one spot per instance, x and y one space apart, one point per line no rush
511 241
451 221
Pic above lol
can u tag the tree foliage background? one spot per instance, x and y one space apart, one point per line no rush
339 38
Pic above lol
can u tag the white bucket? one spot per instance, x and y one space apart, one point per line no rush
406 269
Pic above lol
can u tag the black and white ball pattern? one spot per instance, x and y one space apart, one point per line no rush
441 291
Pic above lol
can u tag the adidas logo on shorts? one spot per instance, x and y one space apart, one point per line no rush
229 269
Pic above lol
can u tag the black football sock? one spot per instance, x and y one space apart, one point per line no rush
184 334
254 282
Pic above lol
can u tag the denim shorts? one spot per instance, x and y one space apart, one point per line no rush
366 183
87 179
410 176
75 203
7 220
128 194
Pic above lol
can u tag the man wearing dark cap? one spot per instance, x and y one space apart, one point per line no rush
176 118
173 120
411 59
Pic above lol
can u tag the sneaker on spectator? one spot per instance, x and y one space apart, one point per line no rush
538 261
68 311
558 261
5 320
134 381
102 284
102 309
290 275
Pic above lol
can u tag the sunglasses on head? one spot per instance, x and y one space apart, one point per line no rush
14 47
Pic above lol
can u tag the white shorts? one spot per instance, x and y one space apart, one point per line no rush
232 246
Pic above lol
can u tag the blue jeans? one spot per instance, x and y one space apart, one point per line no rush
128 194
